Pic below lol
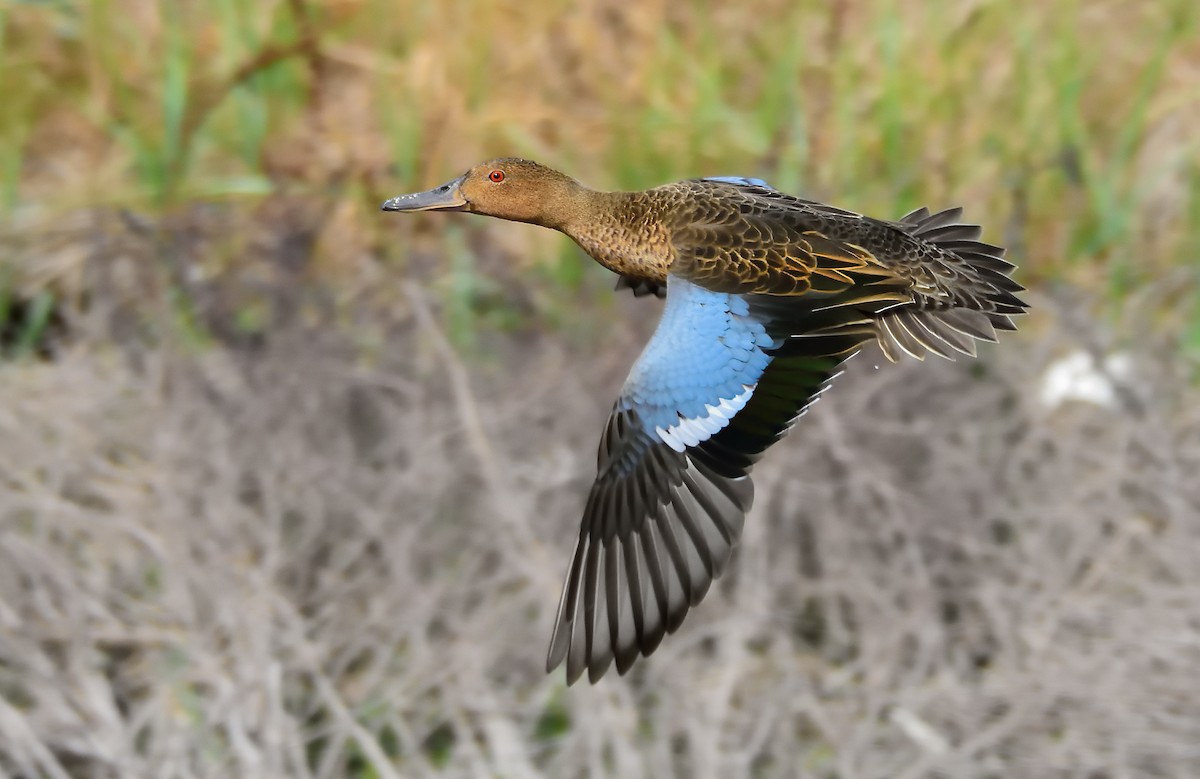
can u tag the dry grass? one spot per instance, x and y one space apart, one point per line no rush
291 562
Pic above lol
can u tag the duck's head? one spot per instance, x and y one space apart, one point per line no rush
508 188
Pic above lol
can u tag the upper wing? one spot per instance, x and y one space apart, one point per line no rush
747 238
642 287
722 379
926 280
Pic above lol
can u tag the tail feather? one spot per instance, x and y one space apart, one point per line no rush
942 332
966 292
964 233
975 324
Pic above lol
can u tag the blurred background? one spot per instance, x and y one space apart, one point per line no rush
288 486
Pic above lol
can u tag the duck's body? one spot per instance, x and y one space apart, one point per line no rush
767 294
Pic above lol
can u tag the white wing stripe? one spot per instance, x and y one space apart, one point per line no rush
689 431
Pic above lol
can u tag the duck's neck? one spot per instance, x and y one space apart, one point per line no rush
621 231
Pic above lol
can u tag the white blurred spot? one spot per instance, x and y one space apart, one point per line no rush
1076 377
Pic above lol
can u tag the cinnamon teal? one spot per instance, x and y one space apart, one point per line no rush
767 294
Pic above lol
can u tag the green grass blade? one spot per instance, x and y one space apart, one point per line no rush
33 329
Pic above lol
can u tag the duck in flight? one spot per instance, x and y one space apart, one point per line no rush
767 294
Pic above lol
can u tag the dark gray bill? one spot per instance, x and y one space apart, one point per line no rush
447 197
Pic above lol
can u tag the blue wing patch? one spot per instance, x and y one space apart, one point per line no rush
744 180
700 368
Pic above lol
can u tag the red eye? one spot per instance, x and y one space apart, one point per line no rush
496 176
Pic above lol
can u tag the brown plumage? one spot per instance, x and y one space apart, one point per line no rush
768 295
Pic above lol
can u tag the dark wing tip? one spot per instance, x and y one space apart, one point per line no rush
626 591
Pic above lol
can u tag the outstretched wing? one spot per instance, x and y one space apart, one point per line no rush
722 379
